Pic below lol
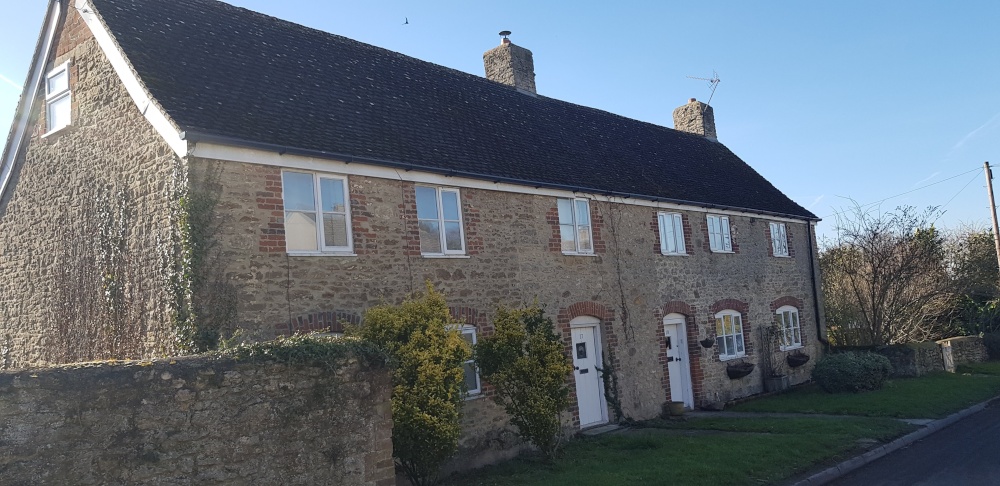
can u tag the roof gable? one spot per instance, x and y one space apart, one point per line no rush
229 72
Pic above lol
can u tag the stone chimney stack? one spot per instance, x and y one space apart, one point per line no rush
697 118
511 65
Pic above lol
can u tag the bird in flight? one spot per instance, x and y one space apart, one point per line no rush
407 21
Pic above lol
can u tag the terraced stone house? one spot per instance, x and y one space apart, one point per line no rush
339 175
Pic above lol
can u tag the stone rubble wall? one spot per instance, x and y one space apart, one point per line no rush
47 217
196 421
962 350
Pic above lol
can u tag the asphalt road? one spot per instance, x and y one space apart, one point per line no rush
966 453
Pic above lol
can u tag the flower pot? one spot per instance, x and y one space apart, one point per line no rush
739 370
797 359
776 383
707 343
676 409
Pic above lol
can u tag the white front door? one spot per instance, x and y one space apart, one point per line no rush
677 360
586 360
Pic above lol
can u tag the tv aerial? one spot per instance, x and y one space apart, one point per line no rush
713 83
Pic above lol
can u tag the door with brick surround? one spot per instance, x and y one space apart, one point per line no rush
678 365
586 361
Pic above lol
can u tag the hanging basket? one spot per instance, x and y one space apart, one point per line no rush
707 343
797 359
739 370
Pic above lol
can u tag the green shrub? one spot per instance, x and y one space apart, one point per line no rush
428 353
992 342
852 371
525 363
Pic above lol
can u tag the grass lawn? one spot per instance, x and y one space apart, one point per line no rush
931 396
711 451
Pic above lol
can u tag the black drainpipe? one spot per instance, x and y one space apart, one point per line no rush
820 328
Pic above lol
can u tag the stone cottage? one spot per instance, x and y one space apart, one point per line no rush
304 177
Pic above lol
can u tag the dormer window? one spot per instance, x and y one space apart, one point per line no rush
58 99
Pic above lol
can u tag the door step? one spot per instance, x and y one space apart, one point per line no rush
600 429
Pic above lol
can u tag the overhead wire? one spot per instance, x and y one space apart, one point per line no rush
880 201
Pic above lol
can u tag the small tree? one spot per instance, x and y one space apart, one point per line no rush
885 278
525 363
428 351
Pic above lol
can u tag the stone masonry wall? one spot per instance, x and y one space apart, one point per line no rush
196 421
50 273
511 260
962 350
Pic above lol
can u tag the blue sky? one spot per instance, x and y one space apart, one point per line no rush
828 100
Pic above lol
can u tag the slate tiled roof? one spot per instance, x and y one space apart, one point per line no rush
230 72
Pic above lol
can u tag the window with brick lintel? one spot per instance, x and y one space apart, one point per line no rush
439 216
575 226
729 334
317 213
719 238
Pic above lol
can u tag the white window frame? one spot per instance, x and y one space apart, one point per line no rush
671 231
61 96
779 239
468 329
323 249
576 227
739 341
787 319
720 239
441 221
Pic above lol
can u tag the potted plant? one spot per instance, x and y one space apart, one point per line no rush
707 342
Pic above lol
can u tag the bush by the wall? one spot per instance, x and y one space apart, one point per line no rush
428 354
992 342
852 372
525 362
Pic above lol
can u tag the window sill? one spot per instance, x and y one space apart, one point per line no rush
321 254
567 253
473 397
781 256
791 348
56 131
431 255
675 254
730 358
724 252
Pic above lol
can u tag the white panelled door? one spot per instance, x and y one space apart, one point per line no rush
678 365
586 361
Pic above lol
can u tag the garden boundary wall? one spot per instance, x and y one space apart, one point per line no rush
199 420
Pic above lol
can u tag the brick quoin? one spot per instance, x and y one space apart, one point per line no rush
606 315
470 225
364 235
270 199
408 213
739 306
694 349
